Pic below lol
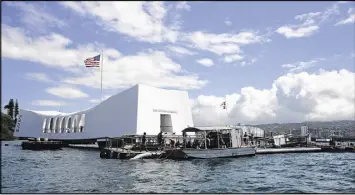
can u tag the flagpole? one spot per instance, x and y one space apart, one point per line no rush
102 67
226 110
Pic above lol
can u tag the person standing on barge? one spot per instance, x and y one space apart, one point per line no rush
160 139
144 139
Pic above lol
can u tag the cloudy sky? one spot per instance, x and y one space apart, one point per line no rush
270 61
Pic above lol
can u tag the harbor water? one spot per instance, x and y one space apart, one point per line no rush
81 171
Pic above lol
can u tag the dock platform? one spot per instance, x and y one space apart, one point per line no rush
119 153
42 145
84 146
286 150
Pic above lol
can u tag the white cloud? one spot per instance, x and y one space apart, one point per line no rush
222 43
253 60
310 23
330 12
95 100
35 17
206 62
248 106
294 32
99 100
75 6
16 44
245 63
287 65
228 22
180 50
148 21
327 95
141 20
233 58
183 5
67 92
308 17
175 15
48 103
349 20
301 66
153 68
294 97
40 76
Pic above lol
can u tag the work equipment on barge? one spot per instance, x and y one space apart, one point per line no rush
212 142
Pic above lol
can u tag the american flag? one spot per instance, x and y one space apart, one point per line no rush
93 62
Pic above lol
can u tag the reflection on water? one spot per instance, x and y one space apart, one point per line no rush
79 171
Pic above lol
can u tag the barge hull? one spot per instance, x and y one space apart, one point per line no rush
208 153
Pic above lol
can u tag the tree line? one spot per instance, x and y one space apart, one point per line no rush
9 120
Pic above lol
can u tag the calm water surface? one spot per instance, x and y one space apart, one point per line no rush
80 171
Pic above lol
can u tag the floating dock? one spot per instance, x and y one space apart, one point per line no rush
286 150
338 150
84 146
42 145
119 153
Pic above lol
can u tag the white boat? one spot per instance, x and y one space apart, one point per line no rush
222 142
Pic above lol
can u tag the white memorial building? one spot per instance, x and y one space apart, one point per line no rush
136 110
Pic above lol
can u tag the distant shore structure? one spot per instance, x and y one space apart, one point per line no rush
134 111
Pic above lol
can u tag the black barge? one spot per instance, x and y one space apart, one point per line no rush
42 145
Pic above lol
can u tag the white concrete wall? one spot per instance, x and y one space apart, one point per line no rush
31 124
154 101
127 113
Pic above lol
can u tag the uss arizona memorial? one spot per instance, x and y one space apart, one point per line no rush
134 111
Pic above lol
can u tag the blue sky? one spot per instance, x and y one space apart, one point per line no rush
261 57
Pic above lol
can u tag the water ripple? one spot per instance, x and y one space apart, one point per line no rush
77 171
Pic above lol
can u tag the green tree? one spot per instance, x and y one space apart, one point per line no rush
10 108
16 111
7 130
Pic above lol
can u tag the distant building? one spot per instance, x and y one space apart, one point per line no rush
304 130
296 132
279 140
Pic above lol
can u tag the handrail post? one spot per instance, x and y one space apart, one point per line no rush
205 139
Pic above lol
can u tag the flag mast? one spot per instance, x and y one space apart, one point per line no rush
102 67
226 109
